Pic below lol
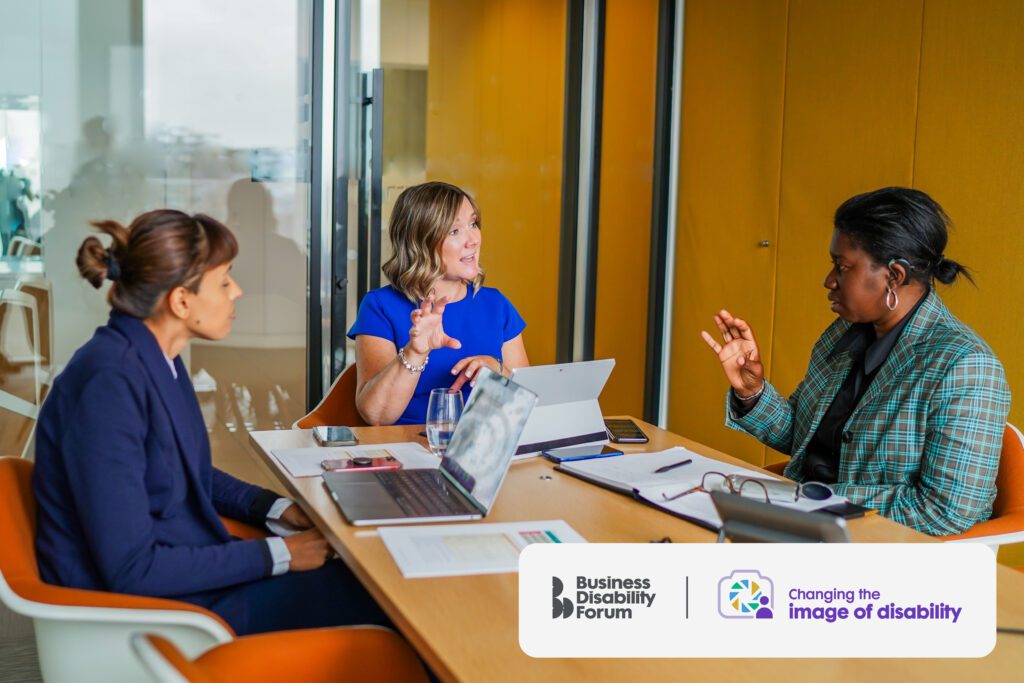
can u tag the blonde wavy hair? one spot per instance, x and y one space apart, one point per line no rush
420 222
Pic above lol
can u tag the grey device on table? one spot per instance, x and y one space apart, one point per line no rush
335 436
745 520
470 475
567 413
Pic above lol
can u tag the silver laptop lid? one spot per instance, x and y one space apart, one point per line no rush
485 439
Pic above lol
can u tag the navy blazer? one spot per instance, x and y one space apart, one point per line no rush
128 500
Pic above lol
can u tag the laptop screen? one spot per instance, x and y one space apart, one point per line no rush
485 438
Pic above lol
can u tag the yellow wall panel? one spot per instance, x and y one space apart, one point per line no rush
733 76
851 93
624 230
495 90
970 158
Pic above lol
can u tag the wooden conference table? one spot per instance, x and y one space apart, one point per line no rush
466 628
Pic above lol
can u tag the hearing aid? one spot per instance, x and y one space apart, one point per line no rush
906 267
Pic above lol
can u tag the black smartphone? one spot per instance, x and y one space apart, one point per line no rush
847 510
581 453
625 431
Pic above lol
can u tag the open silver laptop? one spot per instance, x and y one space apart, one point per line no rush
470 475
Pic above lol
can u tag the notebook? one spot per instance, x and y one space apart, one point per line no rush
635 475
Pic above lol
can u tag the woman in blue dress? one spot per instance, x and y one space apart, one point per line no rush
435 325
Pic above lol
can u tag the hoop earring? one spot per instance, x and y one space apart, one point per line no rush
890 293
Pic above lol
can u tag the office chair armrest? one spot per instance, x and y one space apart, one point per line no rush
242 530
38 600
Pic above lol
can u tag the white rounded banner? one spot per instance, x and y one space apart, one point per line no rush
757 600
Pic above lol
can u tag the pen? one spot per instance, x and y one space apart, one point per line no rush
666 468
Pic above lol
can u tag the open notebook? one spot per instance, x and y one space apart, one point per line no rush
635 475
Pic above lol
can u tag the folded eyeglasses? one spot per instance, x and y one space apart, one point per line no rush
767 489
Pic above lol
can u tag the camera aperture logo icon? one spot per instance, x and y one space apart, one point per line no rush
745 594
561 607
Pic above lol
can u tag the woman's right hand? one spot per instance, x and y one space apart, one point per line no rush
740 356
309 550
427 332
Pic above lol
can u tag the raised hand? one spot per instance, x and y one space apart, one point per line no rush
427 332
467 368
740 356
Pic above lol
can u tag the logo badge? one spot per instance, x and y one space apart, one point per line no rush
745 594
562 607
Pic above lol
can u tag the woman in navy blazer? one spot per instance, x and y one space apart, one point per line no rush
128 499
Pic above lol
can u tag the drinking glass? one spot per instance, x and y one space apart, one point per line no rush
443 412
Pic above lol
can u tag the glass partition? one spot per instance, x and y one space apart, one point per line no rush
113 107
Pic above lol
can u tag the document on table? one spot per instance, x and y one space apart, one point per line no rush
464 549
305 462
636 475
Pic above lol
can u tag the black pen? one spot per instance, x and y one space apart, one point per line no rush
666 468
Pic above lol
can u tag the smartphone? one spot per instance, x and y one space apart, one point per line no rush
625 431
848 510
370 461
334 436
580 453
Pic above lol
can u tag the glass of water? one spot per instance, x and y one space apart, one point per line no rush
443 412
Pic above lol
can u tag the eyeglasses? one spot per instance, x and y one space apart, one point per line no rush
717 481
780 489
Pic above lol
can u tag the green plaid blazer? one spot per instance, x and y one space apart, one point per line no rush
922 446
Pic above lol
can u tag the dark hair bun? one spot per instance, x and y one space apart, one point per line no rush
947 271
92 262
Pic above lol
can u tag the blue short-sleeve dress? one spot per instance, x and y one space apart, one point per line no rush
482 322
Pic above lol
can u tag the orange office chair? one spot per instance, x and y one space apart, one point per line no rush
1007 522
338 407
777 467
84 635
311 656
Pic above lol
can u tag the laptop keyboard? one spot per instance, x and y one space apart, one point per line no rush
424 493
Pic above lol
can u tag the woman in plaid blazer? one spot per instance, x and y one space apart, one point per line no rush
903 406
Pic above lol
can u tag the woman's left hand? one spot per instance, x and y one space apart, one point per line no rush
294 517
467 369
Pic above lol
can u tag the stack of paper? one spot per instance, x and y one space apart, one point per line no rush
461 549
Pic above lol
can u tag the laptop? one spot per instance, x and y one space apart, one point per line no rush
567 412
471 472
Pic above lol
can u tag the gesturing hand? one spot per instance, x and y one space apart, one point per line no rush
468 367
740 357
427 332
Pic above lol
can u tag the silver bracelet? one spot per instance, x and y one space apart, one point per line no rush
414 369
752 396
